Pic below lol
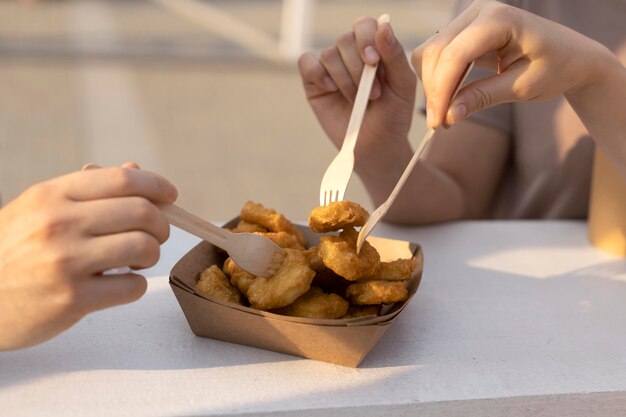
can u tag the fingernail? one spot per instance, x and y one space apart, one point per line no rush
456 113
371 55
329 83
430 118
389 36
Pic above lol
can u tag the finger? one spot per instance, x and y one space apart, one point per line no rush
485 93
135 249
431 52
474 42
131 165
118 182
346 45
364 29
101 292
315 78
398 73
335 67
124 214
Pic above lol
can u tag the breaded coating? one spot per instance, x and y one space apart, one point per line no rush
315 261
247 227
238 277
316 305
377 292
398 270
214 284
355 311
292 279
270 219
339 254
336 216
284 240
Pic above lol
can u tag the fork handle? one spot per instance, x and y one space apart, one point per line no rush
193 224
361 100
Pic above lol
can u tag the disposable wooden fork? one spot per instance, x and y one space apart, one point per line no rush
256 254
338 173
380 212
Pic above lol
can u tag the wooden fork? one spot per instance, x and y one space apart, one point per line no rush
256 254
338 173
380 212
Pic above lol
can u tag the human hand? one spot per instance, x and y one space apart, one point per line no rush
331 82
535 59
58 237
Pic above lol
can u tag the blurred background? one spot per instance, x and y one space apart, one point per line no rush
205 92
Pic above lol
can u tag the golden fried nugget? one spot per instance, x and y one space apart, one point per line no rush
292 279
268 218
284 240
355 311
316 305
377 292
315 261
339 254
238 277
247 227
336 216
398 270
214 284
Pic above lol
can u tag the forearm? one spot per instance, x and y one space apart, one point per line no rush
601 106
428 196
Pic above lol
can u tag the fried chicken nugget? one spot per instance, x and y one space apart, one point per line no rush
339 254
238 277
377 292
247 227
284 240
292 279
355 311
315 261
213 283
316 305
275 222
336 216
398 270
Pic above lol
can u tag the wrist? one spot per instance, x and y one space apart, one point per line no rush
601 68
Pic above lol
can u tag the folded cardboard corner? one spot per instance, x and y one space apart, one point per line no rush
344 341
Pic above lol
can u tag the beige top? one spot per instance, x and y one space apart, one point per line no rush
549 173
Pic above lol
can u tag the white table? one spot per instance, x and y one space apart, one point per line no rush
511 319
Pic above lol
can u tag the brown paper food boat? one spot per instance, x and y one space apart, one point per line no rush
341 341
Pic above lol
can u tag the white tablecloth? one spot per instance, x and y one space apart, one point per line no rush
512 318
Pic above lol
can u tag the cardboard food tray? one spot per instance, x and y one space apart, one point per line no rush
341 341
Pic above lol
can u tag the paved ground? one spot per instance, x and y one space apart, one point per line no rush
111 81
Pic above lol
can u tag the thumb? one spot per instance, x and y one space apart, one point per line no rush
483 94
398 72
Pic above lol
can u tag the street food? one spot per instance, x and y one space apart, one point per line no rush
214 283
317 305
247 227
270 219
339 254
336 216
292 279
327 281
377 292
398 270
238 277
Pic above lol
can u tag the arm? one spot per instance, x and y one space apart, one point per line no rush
58 237
533 59
444 186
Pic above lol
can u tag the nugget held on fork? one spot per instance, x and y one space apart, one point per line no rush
336 216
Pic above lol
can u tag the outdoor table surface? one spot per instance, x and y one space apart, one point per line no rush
512 318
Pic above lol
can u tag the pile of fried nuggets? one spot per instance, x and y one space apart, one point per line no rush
328 281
